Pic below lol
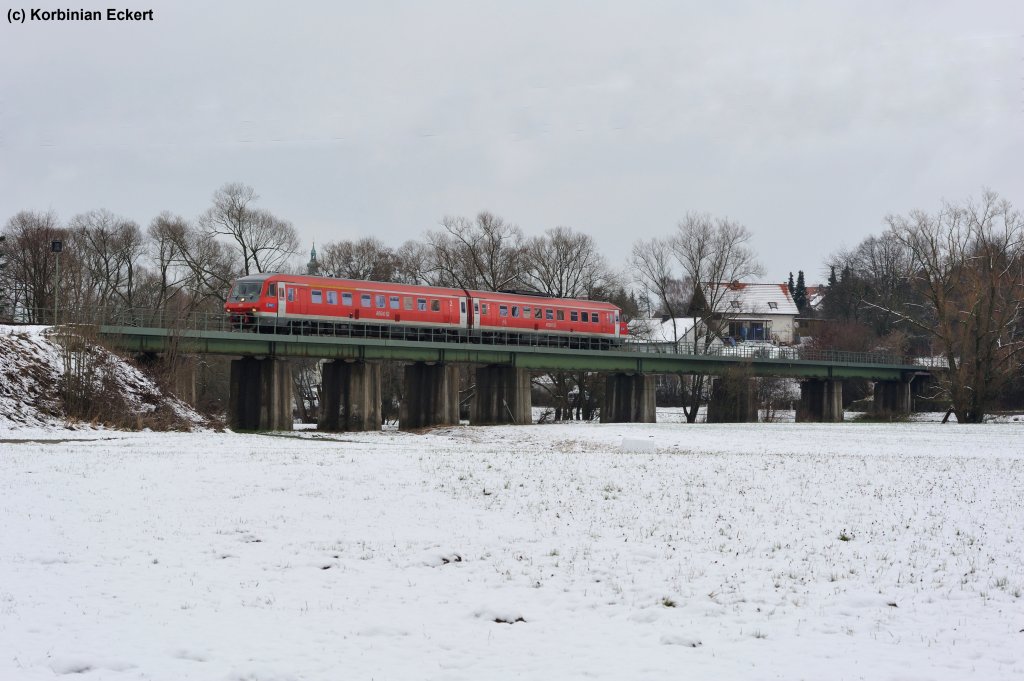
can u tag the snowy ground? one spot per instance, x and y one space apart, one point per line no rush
668 551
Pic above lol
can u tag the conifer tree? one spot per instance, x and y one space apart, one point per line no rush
800 292
790 284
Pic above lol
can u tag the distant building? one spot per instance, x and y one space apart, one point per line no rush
749 312
313 267
663 334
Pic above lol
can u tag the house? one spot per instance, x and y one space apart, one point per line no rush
748 312
663 334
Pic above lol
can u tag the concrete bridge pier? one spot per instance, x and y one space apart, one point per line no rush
260 394
628 398
431 396
821 400
351 396
502 396
732 400
892 397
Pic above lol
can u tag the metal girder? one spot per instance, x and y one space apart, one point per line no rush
526 357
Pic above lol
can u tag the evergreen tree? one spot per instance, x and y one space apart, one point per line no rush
800 292
832 281
790 284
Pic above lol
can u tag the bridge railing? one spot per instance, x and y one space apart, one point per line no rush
220 322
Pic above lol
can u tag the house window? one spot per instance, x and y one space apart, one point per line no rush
332 297
394 302
366 300
421 304
318 296
773 305
381 300
735 303
435 305
574 316
346 299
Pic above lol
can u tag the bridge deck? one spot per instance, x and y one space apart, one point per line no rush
798 365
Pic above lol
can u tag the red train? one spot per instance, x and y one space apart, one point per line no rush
305 304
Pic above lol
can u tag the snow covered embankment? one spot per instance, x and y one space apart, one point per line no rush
31 370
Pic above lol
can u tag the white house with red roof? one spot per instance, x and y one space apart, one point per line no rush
751 312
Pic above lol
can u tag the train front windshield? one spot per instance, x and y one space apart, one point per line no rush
243 291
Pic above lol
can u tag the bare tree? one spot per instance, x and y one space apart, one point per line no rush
413 263
264 242
566 264
366 259
967 263
165 253
713 253
876 271
210 266
109 248
654 269
28 278
483 254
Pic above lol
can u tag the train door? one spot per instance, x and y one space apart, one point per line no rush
281 301
293 299
464 317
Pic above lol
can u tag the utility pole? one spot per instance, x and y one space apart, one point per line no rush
56 246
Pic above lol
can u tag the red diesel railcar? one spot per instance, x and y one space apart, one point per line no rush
303 304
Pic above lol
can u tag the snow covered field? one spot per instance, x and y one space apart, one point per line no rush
668 551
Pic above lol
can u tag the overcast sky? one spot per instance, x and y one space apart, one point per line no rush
806 121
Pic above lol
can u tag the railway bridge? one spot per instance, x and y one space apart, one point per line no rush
260 387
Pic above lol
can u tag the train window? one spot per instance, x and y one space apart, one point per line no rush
462 306
365 300
407 301
317 296
515 311
616 317
272 290
476 307
332 297
526 311
485 308
549 314
291 295
435 305
503 310
574 316
595 318
346 298
421 304
382 300
394 303
561 315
